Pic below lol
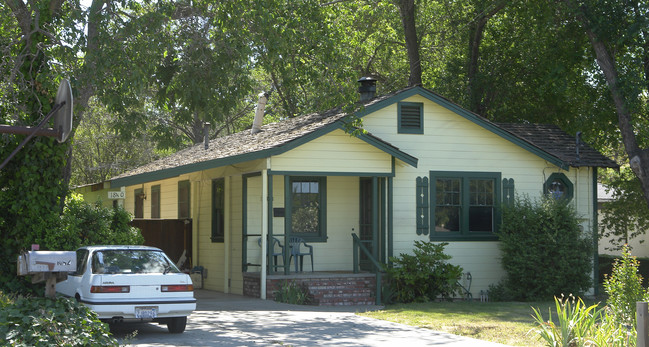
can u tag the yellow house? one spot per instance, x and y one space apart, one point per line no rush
425 169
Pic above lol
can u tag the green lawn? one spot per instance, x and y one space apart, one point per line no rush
509 323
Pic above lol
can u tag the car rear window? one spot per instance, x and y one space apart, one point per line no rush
131 262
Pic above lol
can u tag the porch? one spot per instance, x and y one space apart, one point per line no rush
325 288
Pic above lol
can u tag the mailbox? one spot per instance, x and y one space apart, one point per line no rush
46 261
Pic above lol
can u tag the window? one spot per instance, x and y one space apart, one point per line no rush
465 205
411 118
139 203
183 199
155 201
559 187
308 208
218 210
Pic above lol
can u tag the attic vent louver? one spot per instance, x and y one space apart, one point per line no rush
410 118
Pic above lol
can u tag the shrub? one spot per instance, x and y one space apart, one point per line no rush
624 288
85 224
45 322
291 292
425 275
544 252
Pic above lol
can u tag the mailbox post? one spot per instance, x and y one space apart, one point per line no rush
48 266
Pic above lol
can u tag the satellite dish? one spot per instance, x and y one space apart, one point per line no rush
63 117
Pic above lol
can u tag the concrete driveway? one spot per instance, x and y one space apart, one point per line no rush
233 320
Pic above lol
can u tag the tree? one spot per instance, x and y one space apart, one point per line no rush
100 153
621 47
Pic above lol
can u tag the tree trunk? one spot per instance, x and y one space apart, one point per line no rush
408 12
638 158
475 90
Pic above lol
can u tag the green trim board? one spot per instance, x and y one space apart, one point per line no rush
324 173
458 201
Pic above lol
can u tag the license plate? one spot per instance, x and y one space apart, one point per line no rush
146 312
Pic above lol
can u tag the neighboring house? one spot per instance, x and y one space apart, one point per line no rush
606 246
425 169
100 192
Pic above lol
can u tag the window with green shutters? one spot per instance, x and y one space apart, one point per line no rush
308 208
183 199
464 205
411 118
218 210
155 201
139 203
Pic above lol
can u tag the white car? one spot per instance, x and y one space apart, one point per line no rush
131 283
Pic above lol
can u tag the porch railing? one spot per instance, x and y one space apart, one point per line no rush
378 268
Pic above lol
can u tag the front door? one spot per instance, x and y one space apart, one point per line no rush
366 232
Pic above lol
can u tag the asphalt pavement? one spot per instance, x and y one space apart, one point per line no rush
234 320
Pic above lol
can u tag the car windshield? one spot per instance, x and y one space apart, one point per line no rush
131 262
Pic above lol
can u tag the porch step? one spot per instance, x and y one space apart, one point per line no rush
325 289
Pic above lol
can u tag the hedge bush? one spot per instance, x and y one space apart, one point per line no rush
26 321
544 251
424 276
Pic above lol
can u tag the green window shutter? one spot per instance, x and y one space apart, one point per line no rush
422 206
508 191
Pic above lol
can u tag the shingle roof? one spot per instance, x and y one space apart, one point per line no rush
553 140
274 138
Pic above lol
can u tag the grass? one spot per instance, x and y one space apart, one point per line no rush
509 323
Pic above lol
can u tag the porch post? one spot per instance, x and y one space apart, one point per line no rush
391 212
227 234
264 231
375 216
288 220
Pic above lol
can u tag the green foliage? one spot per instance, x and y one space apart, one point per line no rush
544 252
290 292
624 289
425 275
92 224
580 325
45 322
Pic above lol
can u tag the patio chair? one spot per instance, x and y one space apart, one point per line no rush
274 249
296 244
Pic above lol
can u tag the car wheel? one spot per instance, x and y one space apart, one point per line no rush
177 325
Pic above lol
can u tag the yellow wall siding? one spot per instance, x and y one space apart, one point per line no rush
334 152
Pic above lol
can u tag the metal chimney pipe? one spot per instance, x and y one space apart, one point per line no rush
367 89
259 113
206 134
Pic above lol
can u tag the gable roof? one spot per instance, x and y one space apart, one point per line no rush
282 136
